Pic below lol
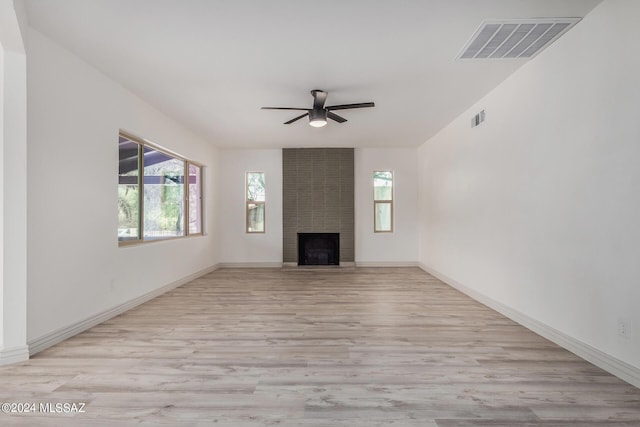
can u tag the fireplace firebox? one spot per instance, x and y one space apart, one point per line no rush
318 248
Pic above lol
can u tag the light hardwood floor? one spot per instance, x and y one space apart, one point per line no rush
334 347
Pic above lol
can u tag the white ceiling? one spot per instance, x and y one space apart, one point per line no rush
212 64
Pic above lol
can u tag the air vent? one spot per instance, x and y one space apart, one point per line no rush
478 119
522 38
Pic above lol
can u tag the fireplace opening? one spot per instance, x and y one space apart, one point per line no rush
318 248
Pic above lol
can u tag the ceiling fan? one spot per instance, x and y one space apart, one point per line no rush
318 114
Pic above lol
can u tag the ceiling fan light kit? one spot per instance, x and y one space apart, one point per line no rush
319 114
317 118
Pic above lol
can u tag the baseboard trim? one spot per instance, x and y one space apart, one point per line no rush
250 265
14 354
52 338
294 266
364 264
611 364
387 264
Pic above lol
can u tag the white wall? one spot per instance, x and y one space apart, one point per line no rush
242 249
236 246
76 268
538 208
2 182
401 246
13 177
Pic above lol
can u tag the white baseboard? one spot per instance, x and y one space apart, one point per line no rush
343 264
59 335
250 265
367 264
14 354
387 264
611 364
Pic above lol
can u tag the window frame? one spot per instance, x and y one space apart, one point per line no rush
255 202
377 202
141 145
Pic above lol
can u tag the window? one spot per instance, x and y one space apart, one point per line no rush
383 201
195 199
255 202
128 190
155 200
163 189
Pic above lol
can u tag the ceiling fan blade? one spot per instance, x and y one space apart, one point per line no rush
336 117
284 108
319 98
296 118
349 106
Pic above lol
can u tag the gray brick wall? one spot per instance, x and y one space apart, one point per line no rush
317 197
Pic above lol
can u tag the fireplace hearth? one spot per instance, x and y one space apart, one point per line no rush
318 248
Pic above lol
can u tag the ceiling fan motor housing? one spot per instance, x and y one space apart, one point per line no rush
317 114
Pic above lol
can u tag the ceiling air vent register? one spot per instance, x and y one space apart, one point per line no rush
521 38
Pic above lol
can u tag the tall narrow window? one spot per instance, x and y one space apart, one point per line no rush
159 194
128 190
195 199
255 202
383 201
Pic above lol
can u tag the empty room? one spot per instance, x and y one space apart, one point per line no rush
346 213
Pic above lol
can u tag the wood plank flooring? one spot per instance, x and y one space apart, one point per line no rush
299 347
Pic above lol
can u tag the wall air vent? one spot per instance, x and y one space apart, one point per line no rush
478 119
520 38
